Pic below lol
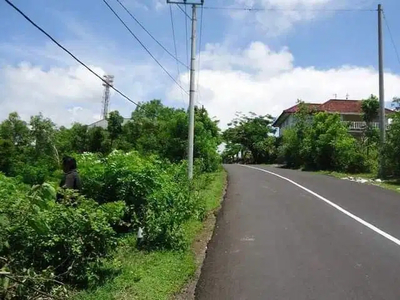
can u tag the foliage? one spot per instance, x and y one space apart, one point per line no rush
321 143
133 175
392 147
253 133
157 194
34 152
158 274
290 150
370 108
396 103
114 126
231 152
163 131
51 242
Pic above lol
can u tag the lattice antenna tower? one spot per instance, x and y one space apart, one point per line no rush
106 97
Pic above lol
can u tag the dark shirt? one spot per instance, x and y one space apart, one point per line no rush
71 180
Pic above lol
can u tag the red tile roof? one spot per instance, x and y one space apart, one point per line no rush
333 106
294 109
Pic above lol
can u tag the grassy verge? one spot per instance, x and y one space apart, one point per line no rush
159 274
391 184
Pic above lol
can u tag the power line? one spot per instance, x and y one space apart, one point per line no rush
200 42
145 48
184 11
141 25
186 42
176 49
255 9
391 38
67 51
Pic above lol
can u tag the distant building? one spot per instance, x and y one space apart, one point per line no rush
349 110
104 123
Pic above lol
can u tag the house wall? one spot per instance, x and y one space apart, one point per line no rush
358 118
291 120
351 118
288 122
104 123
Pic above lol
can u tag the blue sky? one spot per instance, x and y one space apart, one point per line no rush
251 61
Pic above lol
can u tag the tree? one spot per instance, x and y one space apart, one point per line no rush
15 130
114 126
328 146
392 147
370 108
255 134
396 103
43 136
290 151
15 143
321 142
370 137
98 140
6 156
157 129
231 152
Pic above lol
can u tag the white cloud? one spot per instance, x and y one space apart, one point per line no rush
258 57
280 16
267 82
65 95
70 94
51 82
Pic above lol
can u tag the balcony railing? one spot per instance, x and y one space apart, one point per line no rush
359 126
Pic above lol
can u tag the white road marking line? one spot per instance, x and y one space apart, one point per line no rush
354 217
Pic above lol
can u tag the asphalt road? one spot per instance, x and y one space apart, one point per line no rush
275 240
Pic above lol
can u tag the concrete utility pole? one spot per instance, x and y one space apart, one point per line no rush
191 93
194 4
382 116
106 98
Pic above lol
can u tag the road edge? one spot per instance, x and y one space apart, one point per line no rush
199 248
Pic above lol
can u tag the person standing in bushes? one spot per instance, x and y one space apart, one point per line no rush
71 179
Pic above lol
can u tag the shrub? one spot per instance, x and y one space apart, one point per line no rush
157 194
50 241
323 144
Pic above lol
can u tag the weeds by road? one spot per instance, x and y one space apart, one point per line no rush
159 274
367 178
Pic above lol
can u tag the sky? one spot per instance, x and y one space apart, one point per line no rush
250 61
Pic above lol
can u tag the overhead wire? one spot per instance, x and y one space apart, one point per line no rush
391 37
175 47
255 9
144 28
199 63
145 48
184 11
186 29
69 52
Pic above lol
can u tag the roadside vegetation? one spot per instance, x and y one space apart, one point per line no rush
318 143
85 246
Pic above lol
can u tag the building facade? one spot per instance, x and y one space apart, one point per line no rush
104 123
349 110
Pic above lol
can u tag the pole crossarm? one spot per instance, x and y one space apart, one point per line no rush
186 2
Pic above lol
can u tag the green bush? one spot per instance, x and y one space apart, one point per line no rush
392 148
53 242
323 144
48 243
157 194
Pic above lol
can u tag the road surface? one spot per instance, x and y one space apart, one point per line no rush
314 237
